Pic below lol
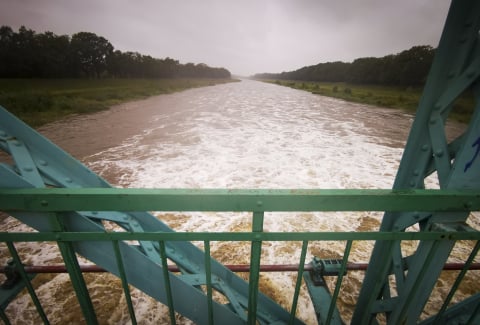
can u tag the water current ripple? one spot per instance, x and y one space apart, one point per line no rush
255 135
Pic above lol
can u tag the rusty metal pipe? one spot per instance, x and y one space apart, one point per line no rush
234 268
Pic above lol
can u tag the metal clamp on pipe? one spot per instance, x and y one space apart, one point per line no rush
12 275
324 267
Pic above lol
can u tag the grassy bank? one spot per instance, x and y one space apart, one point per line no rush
394 97
39 101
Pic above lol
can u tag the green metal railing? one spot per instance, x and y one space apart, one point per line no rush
257 202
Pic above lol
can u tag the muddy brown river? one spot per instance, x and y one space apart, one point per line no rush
238 135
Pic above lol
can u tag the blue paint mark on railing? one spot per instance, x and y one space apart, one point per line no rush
470 163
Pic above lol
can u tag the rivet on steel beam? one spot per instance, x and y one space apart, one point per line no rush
439 153
68 180
259 203
437 106
44 203
416 216
43 163
416 172
468 205
425 147
412 183
433 121
17 143
28 169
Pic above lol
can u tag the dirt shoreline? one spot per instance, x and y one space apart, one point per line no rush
85 135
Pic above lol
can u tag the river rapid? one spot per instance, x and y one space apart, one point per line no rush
238 135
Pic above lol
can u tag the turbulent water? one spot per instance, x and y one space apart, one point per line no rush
237 135
251 135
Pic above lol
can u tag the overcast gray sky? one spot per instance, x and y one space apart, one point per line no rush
244 36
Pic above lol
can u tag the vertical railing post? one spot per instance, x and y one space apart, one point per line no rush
343 270
123 277
26 280
457 282
166 277
256 251
73 268
301 266
208 275
78 282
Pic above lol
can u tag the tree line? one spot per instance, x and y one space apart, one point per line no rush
407 68
27 54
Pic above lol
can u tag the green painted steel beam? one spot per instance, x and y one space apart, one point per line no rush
119 199
235 236
455 69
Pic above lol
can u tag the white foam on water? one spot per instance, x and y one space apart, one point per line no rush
256 135
246 139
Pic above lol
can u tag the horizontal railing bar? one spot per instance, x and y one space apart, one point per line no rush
235 236
119 199
232 267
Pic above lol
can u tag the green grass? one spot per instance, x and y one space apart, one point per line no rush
392 97
39 101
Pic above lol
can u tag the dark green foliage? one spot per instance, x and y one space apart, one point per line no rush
89 53
26 54
408 68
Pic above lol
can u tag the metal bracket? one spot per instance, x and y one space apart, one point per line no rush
324 267
13 276
13 285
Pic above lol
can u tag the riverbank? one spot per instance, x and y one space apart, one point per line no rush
382 96
41 101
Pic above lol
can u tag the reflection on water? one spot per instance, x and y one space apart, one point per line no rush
238 135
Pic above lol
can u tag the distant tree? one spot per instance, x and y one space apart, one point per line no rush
169 67
415 64
29 55
24 64
89 53
6 51
407 68
364 70
53 55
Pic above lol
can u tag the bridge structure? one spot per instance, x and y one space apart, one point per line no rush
68 204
